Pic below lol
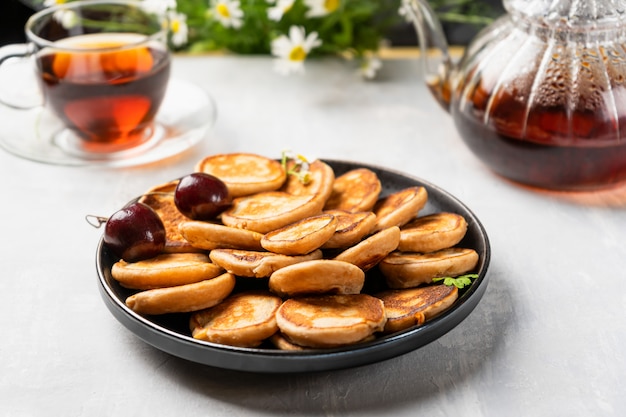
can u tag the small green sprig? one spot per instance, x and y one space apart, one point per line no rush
300 168
459 282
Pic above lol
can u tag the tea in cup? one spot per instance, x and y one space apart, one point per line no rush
103 69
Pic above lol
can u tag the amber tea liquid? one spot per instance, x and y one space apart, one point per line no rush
108 98
547 147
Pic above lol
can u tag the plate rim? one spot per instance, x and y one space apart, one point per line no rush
261 360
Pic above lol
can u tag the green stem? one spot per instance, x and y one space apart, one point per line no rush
115 26
463 18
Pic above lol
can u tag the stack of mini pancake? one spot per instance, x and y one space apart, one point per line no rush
308 240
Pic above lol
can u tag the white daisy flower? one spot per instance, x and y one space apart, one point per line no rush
178 27
292 51
277 11
369 67
228 12
50 3
159 6
406 11
319 8
67 18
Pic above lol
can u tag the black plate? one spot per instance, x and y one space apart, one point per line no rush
170 333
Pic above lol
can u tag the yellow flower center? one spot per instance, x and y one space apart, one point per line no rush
297 54
175 26
331 5
222 10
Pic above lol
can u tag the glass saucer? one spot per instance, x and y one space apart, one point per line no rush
187 114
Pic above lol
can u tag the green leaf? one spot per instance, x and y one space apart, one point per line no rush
459 282
356 27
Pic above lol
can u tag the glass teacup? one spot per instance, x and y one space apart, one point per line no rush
102 67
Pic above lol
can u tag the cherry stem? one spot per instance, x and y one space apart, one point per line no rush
96 221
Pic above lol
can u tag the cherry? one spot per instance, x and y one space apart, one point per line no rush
201 196
135 232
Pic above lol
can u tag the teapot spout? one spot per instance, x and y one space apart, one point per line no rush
436 59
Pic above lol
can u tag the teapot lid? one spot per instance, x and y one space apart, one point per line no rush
587 14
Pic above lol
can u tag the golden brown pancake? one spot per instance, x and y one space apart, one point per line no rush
414 306
264 212
432 233
321 276
399 208
369 252
243 319
351 228
166 270
407 270
244 173
319 181
301 237
255 264
183 298
327 321
209 236
356 190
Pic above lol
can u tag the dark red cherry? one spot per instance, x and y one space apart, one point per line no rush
135 232
201 196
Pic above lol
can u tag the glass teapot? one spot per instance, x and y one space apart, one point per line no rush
539 96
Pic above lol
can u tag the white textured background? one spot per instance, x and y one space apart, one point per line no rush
547 339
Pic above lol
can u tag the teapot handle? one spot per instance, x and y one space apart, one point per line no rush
436 59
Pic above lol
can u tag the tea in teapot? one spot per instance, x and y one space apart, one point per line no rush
540 95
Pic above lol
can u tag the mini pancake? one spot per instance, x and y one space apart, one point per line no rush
165 270
328 321
351 228
281 342
432 233
301 237
415 306
183 298
369 252
264 212
407 270
243 319
320 178
244 173
161 200
356 190
321 276
399 208
255 264
208 236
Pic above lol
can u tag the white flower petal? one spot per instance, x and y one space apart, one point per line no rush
311 41
370 66
159 6
319 8
275 13
281 46
228 12
296 34
178 28
292 51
